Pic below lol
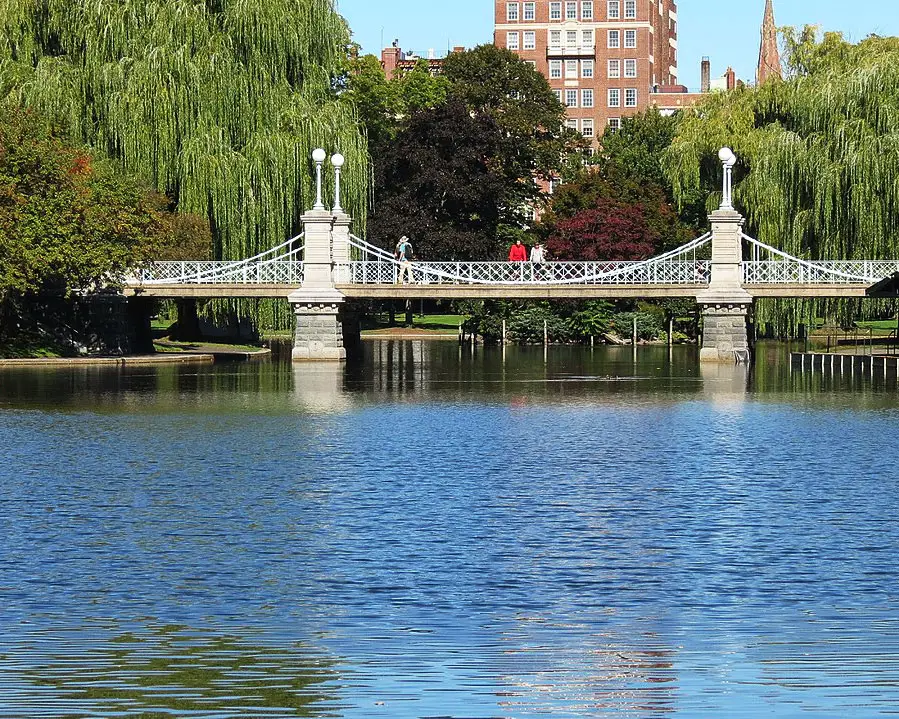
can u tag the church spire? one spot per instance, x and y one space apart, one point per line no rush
769 55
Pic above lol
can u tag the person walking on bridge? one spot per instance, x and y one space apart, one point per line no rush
404 254
518 252
538 257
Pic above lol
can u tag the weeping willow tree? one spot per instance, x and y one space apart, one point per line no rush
218 103
819 158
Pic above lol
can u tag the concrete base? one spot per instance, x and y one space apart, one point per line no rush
724 335
319 332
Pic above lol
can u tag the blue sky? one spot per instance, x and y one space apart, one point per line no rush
728 36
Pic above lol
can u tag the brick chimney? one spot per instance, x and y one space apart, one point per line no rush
731 78
769 55
706 74
390 58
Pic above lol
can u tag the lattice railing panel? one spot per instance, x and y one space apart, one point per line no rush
382 272
836 272
271 272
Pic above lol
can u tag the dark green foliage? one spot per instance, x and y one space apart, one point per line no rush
496 82
649 325
566 322
69 222
439 183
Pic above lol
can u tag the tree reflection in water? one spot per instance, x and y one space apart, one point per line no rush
170 670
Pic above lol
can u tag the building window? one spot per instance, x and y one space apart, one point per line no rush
614 69
571 11
571 69
614 39
555 11
586 98
571 124
555 69
614 9
630 38
587 10
614 124
630 68
511 12
571 38
530 41
532 63
587 68
530 10
587 38
630 9
587 128
614 97
630 97
558 94
512 40
555 38
571 98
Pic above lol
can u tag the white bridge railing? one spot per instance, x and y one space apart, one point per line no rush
376 266
376 272
372 265
272 272
278 266
779 268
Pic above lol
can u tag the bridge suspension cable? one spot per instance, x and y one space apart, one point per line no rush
678 266
788 269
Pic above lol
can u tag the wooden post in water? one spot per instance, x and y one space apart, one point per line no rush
671 331
504 333
545 333
634 337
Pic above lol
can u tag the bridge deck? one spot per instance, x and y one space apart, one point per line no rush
462 292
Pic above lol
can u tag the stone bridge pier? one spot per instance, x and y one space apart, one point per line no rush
725 305
325 325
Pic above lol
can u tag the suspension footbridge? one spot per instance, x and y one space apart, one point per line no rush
322 271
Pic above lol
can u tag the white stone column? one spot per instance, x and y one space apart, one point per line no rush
725 304
317 261
317 305
340 247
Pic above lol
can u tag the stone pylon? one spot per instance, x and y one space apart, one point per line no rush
317 305
769 54
725 304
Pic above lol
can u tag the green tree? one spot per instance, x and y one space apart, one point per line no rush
440 182
497 82
375 97
817 152
419 90
218 104
68 222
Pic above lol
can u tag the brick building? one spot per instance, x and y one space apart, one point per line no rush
605 59
397 63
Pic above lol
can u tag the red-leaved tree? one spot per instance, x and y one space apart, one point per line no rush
610 230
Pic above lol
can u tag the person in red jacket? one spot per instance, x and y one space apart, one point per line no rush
518 252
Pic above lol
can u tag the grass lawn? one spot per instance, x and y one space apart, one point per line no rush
421 324
167 346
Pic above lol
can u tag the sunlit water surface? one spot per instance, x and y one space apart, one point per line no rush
441 533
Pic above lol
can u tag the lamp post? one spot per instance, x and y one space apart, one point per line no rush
318 157
728 159
337 160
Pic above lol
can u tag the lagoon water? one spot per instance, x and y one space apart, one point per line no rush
439 533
